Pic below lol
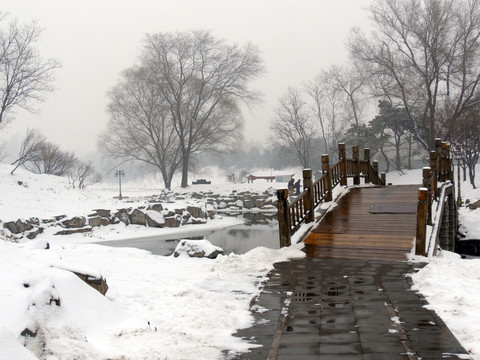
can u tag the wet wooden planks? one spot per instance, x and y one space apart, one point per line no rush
376 223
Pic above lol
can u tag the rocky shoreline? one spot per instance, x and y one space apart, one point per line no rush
159 211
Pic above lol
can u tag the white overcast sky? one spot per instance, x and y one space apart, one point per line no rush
96 39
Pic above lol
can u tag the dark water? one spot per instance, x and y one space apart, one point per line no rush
470 248
258 230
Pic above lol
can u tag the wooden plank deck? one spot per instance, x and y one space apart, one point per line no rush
375 223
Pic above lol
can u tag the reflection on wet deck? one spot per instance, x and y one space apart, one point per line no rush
376 223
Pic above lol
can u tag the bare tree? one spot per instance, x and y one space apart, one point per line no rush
84 173
338 102
140 127
293 128
51 160
425 52
203 80
30 148
463 133
348 83
24 76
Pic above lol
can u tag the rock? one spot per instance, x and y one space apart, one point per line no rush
103 213
105 221
196 221
248 203
173 221
195 211
154 219
95 221
138 217
11 226
32 234
156 207
74 231
259 203
197 196
122 215
222 205
98 283
474 205
197 248
74 223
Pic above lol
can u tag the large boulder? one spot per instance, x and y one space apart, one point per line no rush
103 213
138 217
195 211
154 219
95 221
156 207
122 215
74 223
198 249
19 226
173 221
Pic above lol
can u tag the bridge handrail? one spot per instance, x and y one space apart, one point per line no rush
438 188
291 215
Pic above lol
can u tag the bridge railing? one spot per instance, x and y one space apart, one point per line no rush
436 204
292 214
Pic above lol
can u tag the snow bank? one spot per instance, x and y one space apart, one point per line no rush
451 285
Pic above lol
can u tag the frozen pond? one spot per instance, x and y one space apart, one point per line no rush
258 230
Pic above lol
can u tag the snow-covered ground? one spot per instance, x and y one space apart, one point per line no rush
159 307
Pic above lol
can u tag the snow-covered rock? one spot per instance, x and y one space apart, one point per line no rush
197 248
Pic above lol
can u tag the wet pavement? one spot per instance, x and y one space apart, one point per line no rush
345 309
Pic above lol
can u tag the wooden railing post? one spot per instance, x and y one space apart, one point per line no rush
375 169
449 163
438 150
342 157
309 201
452 221
434 170
444 227
327 176
366 157
356 158
427 183
383 176
421 222
283 218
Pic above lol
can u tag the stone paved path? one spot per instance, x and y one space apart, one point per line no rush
346 309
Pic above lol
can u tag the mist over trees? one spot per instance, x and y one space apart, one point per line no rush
39 156
182 100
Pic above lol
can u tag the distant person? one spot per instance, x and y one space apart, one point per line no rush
290 186
297 187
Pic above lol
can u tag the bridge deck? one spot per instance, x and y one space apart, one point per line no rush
375 223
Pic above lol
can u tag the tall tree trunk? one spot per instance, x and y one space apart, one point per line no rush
185 171
471 174
386 160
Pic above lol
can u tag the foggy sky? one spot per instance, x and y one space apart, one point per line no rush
96 39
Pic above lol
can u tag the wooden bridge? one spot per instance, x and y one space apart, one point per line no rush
379 221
